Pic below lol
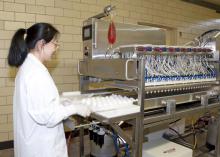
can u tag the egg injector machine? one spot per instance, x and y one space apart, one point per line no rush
168 70
165 82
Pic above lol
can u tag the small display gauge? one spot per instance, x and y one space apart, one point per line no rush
87 32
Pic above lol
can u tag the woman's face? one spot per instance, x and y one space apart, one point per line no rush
49 49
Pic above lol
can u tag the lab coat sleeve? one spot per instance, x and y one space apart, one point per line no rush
44 103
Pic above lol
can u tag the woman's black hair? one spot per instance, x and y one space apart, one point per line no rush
25 39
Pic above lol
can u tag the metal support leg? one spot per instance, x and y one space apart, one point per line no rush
122 134
133 150
84 84
217 146
141 97
136 146
204 100
81 141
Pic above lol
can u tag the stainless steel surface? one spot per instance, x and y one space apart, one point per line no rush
217 146
98 46
152 119
83 83
106 12
137 137
192 87
115 119
141 93
157 102
162 89
156 118
170 106
141 85
125 69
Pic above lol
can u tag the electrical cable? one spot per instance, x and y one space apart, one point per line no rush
179 135
69 141
194 133
209 31
119 141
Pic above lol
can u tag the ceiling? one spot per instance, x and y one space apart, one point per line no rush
211 4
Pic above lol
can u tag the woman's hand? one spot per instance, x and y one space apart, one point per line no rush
82 110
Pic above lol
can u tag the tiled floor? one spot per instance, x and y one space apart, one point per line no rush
73 149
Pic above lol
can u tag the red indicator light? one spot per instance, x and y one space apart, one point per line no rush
183 49
171 49
194 49
157 49
140 48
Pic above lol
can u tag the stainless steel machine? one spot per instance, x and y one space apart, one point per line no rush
168 82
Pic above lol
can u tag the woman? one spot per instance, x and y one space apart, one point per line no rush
37 111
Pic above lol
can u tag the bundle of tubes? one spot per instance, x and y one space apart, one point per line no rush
98 135
170 69
171 64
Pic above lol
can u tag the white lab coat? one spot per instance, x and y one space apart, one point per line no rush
37 113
